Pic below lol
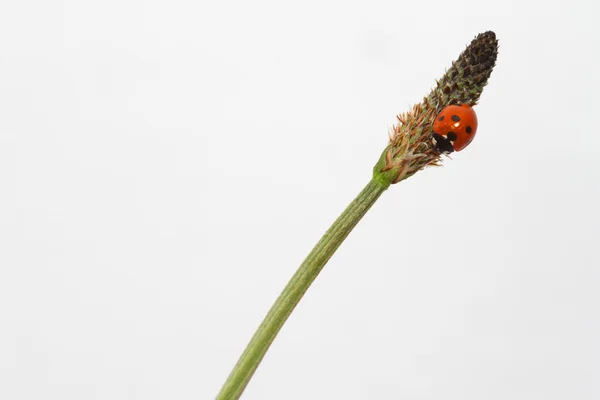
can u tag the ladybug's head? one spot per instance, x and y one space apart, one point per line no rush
444 144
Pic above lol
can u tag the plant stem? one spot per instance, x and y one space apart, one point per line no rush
297 286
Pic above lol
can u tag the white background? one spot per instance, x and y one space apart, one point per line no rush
166 166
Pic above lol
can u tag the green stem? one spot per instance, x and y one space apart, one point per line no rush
297 286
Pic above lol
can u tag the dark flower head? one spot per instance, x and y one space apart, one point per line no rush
411 148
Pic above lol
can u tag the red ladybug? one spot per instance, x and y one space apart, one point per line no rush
454 128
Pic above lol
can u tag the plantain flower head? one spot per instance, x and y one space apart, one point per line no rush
410 148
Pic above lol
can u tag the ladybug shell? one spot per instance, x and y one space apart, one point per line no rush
459 121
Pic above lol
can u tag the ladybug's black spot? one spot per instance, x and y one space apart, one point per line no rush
441 118
455 118
451 136
469 130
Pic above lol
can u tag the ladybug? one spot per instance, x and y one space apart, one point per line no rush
454 128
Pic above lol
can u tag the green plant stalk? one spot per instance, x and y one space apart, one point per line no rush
410 150
298 285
